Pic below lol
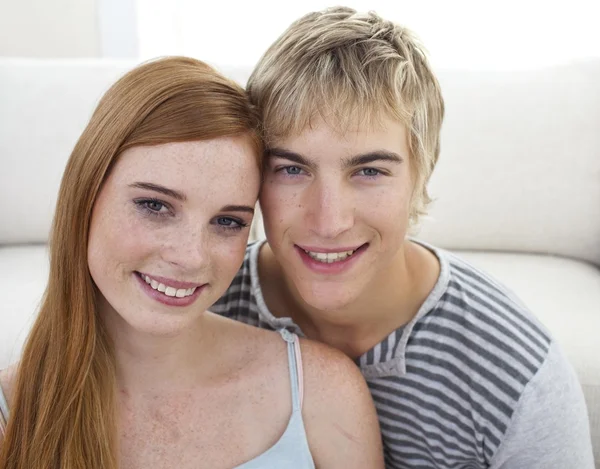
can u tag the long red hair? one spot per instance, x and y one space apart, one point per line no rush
63 411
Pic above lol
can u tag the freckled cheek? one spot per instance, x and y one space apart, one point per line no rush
119 242
139 236
226 256
280 205
104 249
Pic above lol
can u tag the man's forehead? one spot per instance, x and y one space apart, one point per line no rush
371 137
343 127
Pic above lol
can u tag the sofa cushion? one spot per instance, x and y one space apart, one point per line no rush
565 295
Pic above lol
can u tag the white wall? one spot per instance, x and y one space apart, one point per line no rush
489 34
461 33
49 28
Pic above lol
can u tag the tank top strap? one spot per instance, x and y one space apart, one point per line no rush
295 366
3 412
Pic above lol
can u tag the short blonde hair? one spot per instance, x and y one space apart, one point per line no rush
351 68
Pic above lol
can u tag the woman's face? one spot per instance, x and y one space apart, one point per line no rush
169 230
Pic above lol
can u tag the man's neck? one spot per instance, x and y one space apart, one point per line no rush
393 299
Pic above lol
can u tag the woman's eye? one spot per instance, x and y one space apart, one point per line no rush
153 207
230 223
224 221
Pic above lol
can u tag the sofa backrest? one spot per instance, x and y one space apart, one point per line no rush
519 168
44 107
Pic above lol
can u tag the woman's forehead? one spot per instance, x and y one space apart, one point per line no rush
198 166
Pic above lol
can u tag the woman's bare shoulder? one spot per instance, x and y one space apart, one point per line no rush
338 410
326 369
251 345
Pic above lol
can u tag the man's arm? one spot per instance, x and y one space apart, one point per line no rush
550 428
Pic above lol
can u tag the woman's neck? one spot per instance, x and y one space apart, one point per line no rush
147 362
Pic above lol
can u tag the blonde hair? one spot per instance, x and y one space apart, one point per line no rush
64 408
349 69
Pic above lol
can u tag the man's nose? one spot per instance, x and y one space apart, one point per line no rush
330 209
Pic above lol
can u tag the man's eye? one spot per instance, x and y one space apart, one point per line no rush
369 172
292 170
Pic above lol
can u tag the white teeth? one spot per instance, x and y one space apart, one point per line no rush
169 291
330 257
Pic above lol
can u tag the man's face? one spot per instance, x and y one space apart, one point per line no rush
336 208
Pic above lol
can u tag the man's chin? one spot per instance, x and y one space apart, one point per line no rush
328 296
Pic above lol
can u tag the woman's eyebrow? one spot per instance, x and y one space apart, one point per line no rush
161 189
238 208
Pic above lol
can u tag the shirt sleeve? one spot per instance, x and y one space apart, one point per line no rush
550 427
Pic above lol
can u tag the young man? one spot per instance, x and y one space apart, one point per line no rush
462 375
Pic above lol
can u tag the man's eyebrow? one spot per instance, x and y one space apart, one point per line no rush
291 156
371 157
161 189
238 208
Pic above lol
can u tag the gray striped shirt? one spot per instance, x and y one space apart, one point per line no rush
473 381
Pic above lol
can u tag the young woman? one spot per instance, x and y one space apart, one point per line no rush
125 367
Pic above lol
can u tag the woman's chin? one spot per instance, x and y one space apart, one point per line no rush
153 323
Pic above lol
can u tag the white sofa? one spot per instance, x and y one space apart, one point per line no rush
517 188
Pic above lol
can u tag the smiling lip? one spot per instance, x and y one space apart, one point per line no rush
172 283
333 268
170 300
328 250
